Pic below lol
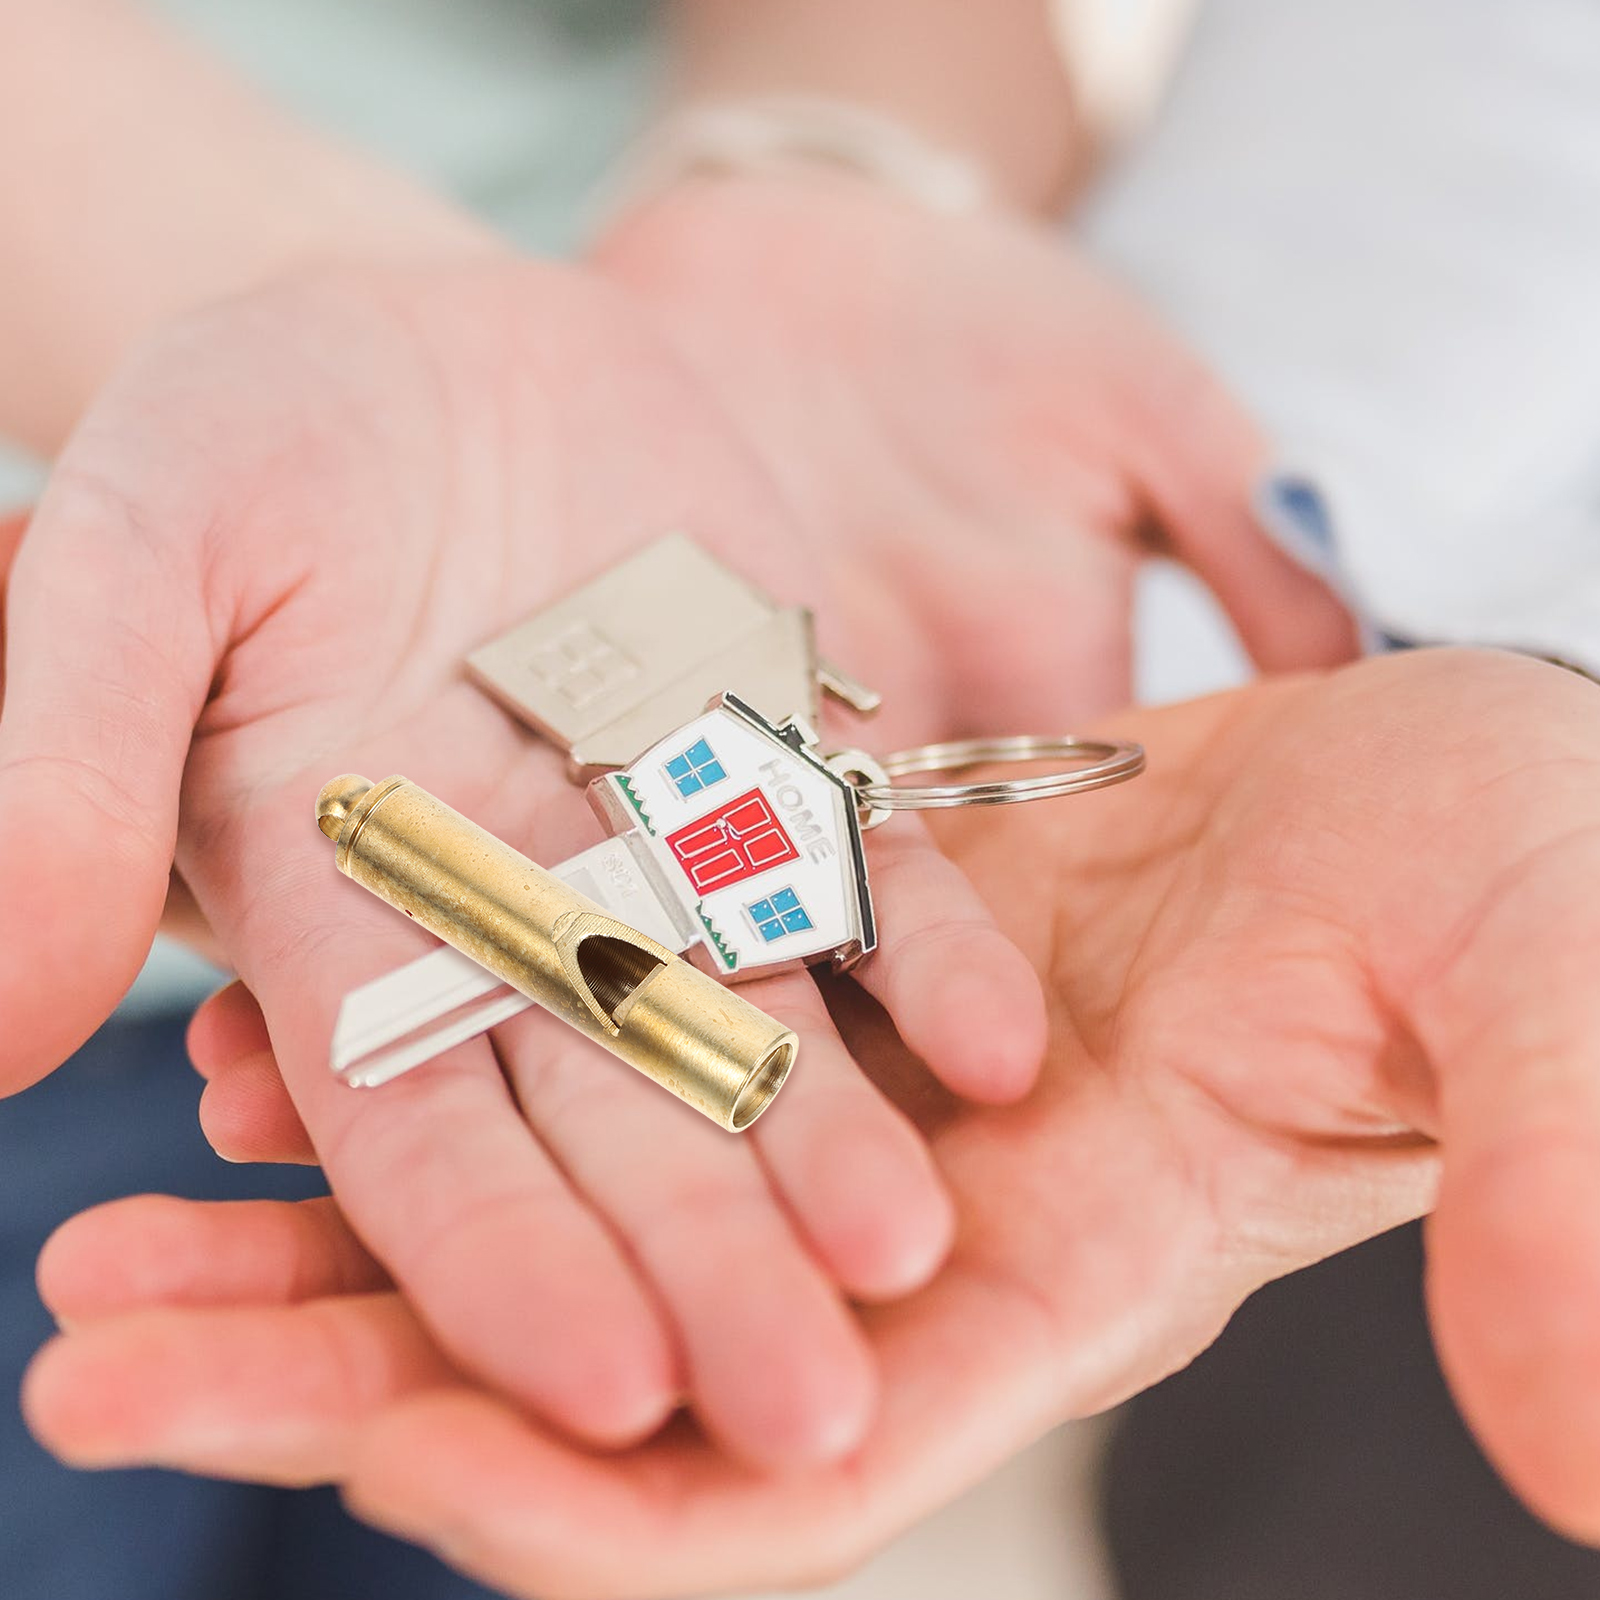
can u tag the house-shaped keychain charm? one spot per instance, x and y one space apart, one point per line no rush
750 841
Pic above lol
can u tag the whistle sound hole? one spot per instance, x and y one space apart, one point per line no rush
613 969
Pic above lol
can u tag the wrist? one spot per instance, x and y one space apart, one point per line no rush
986 82
696 247
804 136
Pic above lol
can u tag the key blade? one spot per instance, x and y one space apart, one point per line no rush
408 1016
416 1012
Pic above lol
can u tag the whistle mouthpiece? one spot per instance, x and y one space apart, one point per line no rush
337 800
643 1003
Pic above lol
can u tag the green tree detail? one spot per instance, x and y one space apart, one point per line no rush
638 805
730 956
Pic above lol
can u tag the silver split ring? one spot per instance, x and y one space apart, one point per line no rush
1099 763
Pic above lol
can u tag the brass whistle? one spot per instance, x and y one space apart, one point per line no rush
674 1023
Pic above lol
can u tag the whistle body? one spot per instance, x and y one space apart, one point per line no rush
668 1019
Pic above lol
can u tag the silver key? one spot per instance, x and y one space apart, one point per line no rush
646 646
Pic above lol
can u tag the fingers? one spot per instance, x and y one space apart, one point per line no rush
963 996
856 1178
108 662
968 1380
1197 457
153 1250
226 1027
533 1496
248 1116
775 1370
506 1263
1031 1323
442 1179
774 1366
1514 1247
284 1395
246 1110
266 1394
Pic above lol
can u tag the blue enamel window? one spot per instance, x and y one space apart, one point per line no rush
696 769
779 914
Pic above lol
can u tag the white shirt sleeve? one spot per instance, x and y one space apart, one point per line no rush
1380 220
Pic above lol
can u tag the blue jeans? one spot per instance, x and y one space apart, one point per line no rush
120 1119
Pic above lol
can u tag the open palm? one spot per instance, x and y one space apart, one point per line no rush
1339 943
276 536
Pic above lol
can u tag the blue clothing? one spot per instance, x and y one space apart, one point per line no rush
120 1119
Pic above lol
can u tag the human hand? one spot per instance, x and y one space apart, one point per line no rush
259 563
1338 941
990 427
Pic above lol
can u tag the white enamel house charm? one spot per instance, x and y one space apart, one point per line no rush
749 840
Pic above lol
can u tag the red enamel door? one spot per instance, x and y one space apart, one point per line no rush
737 841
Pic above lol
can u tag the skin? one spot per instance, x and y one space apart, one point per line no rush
296 563
1328 966
267 545
288 498
186 627
302 507
984 418
988 82
143 178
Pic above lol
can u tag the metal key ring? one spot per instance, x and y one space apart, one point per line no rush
1108 762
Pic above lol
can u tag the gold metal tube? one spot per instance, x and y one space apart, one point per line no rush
673 1022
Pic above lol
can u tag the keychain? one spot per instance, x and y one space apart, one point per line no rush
736 841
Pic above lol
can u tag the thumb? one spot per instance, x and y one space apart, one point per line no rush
1514 1246
107 664
1197 459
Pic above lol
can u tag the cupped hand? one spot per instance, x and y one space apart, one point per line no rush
984 420
260 563
1328 965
